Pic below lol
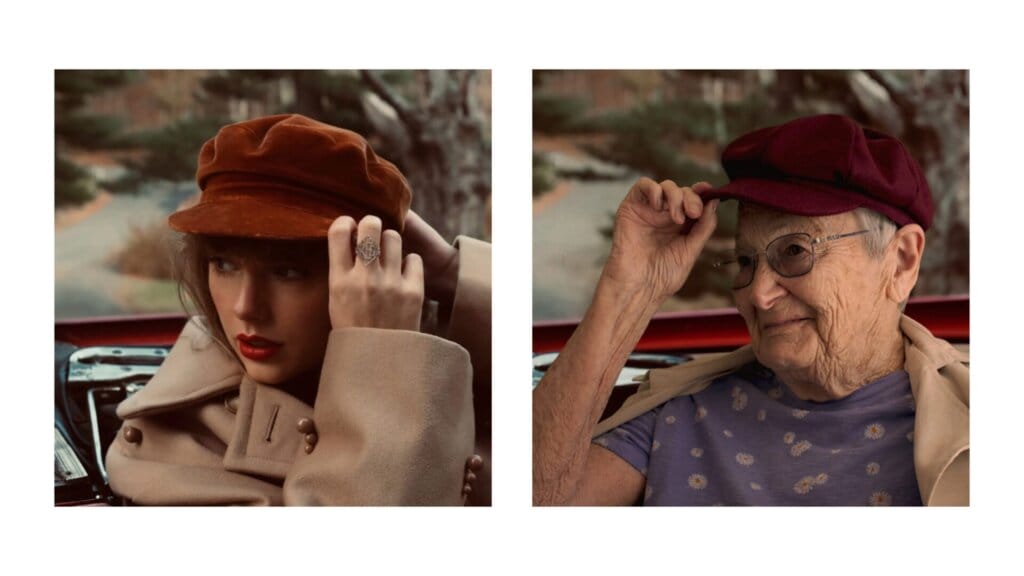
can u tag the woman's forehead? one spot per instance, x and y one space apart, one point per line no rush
757 225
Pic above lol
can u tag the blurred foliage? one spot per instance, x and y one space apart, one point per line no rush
73 128
543 175
146 252
560 115
170 153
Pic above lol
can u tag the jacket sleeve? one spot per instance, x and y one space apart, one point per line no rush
394 414
470 322
394 422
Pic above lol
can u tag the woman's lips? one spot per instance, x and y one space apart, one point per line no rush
257 348
783 323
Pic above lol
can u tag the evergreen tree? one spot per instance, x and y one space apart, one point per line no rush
77 130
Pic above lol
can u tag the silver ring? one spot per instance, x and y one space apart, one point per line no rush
368 250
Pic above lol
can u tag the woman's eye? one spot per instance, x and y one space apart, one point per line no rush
222 265
794 250
744 261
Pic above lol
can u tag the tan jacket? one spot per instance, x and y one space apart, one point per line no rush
939 380
393 418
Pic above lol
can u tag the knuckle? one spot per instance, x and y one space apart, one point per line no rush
342 225
371 220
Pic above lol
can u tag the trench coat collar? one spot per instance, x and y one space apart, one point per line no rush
264 440
939 380
196 369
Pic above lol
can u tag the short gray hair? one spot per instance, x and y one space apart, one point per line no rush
870 220
875 244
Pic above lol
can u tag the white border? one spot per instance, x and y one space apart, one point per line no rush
510 39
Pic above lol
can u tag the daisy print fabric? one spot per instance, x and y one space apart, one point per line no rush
747 440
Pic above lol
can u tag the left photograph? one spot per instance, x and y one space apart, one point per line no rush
272 287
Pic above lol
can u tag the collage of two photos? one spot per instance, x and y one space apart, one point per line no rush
273 287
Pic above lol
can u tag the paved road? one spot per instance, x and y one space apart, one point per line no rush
568 248
86 285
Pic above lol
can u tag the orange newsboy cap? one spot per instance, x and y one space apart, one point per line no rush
289 177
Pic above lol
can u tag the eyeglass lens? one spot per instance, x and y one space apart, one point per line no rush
791 255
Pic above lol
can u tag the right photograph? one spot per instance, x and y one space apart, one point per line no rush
751 287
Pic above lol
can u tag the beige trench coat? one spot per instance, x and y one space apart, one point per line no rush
939 380
393 416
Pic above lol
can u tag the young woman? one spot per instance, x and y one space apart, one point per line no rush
304 379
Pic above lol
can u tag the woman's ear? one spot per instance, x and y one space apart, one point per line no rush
907 249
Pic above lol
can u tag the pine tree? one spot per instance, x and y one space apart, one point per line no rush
77 130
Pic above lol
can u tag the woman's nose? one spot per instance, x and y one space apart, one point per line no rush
250 303
765 289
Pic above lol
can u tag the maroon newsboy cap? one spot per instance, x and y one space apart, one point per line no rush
823 165
289 177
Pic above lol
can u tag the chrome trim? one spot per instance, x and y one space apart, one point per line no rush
94 423
109 374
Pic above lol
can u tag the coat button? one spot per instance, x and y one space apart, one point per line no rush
309 448
132 435
306 425
311 438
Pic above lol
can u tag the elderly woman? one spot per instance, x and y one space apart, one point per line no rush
839 399
304 378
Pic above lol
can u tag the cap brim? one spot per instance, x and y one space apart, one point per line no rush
804 198
251 218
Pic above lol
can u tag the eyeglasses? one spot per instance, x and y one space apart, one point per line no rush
790 256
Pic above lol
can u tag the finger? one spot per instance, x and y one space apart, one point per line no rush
413 231
339 241
705 226
692 203
369 229
649 192
674 199
391 252
701 187
412 271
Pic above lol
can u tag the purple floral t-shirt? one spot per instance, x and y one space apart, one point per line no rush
747 440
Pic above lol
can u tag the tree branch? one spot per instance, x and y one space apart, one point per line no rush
393 99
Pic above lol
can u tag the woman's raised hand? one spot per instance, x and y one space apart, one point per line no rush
440 259
371 284
652 250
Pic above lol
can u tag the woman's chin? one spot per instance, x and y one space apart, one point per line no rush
264 374
781 357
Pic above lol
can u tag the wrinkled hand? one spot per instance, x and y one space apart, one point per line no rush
386 292
474 463
651 248
440 259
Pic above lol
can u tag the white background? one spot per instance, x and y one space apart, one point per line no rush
511 39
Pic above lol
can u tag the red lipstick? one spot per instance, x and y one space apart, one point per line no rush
256 348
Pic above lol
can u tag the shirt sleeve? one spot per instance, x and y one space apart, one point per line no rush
632 441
